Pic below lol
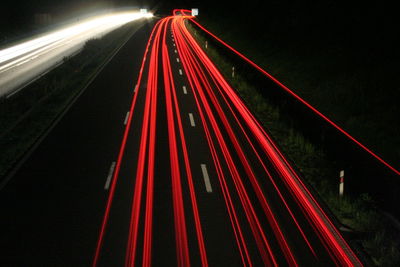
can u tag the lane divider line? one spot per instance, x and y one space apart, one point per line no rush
126 118
176 51
206 178
177 59
110 175
184 90
192 120
180 72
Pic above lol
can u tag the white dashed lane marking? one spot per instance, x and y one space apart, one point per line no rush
191 120
206 178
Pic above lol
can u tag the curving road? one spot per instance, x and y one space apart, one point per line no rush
206 184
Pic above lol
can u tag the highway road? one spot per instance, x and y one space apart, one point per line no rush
22 63
169 169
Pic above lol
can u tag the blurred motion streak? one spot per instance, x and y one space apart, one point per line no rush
23 62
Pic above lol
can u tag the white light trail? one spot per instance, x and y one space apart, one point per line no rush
23 62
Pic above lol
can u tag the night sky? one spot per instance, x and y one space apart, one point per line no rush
21 8
376 18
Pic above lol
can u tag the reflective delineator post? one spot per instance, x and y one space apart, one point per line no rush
206 44
233 72
341 183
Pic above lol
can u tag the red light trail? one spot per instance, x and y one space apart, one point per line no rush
255 180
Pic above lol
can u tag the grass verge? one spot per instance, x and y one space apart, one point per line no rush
371 231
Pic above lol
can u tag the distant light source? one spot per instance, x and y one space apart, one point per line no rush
195 11
143 11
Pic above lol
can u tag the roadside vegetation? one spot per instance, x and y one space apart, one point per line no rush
25 116
367 229
340 58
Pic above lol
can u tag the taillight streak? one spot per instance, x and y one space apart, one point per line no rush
260 160
119 160
183 258
172 102
147 147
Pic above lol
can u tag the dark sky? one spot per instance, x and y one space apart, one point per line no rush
28 6
357 21
15 11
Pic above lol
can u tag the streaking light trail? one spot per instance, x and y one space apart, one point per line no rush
23 62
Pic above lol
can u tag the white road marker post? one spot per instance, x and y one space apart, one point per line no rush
206 45
341 183
233 72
